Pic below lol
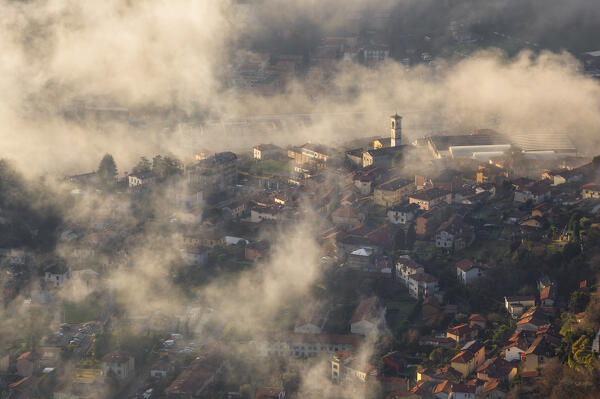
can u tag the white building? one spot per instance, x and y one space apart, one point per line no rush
120 363
467 271
516 305
312 319
197 256
402 214
514 350
260 213
368 317
406 267
596 343
139 179
444 239
305 345
422 285
57 274
266 151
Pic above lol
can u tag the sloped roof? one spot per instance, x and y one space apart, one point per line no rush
463 357
345 211
591 187
117 356
366 310
465 265
476 317
29 356
461 329
430 194
444 386
424 277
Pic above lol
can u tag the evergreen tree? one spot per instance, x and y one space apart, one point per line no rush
411 236
400 240
107 170
143 166
165 167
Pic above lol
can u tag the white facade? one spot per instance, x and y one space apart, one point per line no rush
258 215
596 343
467 277
363 327
122 370
301 348
308 328
57 279
406 268
462 395
196 257
364 187
400 216
525 195
513 353
444 239
137 180
158 373
422 285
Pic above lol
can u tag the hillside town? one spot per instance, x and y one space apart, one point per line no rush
279 199
445 273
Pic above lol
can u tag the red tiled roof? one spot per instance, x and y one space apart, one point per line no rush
490 385
18 384
430 194
462 357
444 386
448 373
465 265
343 354
591 186
476 317
365 310
29 356
345 212
461 329
424 277
545 294
463 388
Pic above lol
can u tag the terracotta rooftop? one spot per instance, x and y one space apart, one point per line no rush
366 310
462 357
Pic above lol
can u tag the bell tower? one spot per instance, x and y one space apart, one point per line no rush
396 130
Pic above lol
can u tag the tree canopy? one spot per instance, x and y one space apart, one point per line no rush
107 170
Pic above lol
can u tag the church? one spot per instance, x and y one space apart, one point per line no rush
385 149
395 138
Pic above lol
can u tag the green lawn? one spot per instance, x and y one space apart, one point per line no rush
398 313
80 312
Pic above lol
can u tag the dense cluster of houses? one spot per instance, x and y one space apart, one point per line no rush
379 223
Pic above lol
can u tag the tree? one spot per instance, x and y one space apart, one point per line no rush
411 237
143 166
596 162
436 355
578 301
399 240
165 167
581 354
107 170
